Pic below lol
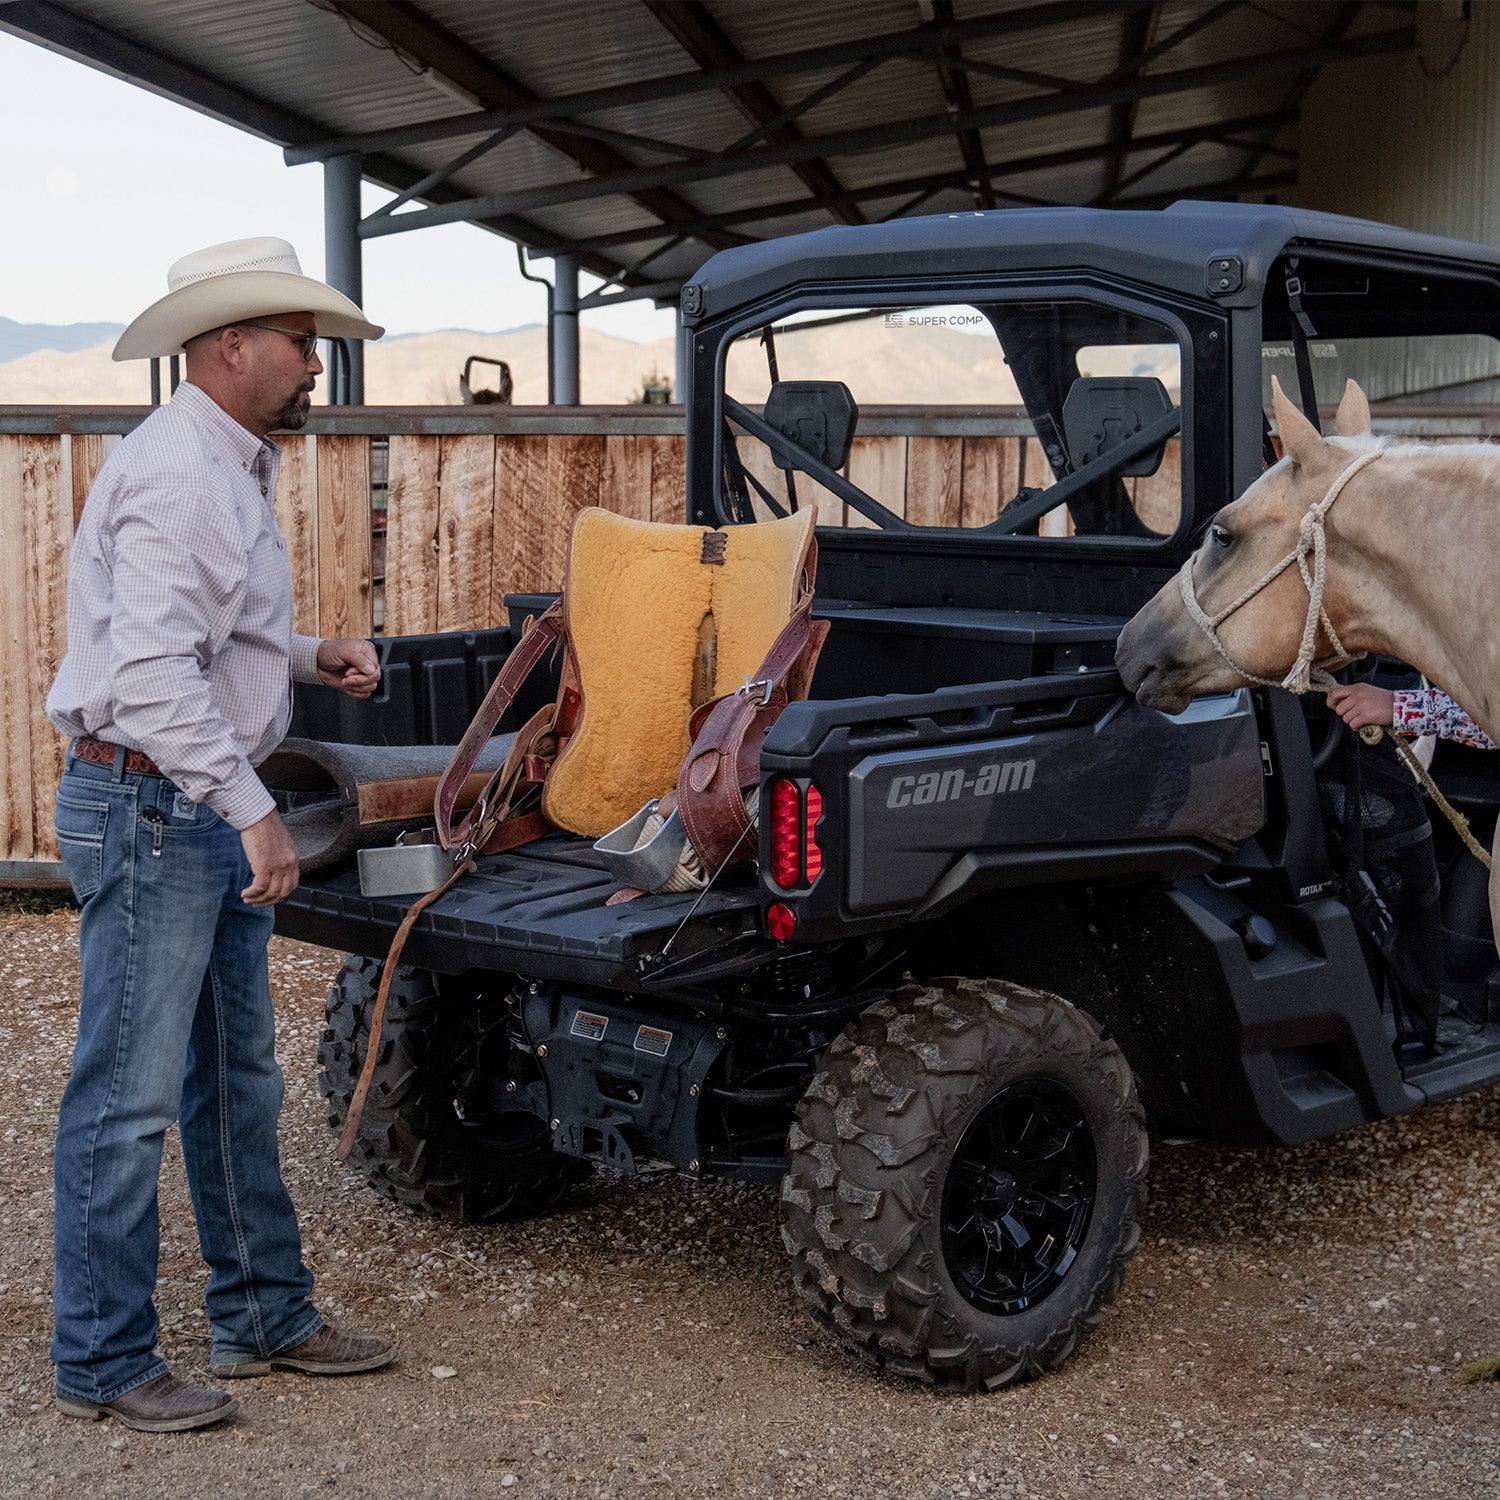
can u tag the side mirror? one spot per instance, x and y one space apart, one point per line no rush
817 415
1101 412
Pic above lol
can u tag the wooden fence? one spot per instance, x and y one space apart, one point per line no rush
467 505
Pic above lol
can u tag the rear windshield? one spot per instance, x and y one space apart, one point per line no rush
1015 399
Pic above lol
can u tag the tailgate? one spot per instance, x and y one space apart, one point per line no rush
928 800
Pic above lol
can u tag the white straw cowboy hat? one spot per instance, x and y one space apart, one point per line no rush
233 283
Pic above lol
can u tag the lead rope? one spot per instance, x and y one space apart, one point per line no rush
1310 674
377 1014
1372 734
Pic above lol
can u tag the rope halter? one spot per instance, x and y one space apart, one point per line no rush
1307 672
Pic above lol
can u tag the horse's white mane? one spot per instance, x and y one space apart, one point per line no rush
1474 463
1418 448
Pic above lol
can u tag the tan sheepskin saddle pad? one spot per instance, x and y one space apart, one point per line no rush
661 620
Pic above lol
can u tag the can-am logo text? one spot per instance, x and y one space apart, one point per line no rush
948 786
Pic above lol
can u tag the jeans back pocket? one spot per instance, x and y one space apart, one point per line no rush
80 837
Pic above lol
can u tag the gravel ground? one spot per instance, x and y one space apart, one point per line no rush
1291 1327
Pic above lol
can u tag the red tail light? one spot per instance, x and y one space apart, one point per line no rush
786 832
780 922
813 864
795 858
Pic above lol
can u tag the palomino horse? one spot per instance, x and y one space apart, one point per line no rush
1347 545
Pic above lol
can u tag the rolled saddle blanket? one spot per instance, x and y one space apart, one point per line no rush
335 799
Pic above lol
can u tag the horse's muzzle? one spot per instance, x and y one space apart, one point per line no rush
1149 666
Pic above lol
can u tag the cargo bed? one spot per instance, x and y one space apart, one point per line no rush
538 911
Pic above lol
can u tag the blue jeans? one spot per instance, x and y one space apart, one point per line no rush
175 1023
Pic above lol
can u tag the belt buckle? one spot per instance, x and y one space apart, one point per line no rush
764 685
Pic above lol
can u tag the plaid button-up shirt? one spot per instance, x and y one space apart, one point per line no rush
180 637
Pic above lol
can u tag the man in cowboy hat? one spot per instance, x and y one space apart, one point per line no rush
177 683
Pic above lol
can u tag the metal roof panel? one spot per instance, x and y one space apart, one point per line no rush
302 70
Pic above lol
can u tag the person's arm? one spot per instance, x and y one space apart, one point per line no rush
352 666
1432 711
1407 711
275 868
178 588
304 655
180 576
1362 703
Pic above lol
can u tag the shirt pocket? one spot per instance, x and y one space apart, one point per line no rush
80 837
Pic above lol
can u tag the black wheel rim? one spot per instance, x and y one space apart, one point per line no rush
1019 1196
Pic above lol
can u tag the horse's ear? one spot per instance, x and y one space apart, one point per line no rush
1299 438
1353 415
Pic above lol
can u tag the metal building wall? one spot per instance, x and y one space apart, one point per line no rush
1382 139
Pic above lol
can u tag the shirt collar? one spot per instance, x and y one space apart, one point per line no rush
243 444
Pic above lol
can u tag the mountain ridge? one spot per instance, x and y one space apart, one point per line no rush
20 339
884 364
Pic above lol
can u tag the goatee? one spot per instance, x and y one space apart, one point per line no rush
293 416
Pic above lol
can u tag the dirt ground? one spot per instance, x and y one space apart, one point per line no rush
1291 1327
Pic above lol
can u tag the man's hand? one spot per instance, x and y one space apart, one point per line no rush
273 861
1363 703
350 666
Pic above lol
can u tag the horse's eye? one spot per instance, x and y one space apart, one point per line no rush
1221 536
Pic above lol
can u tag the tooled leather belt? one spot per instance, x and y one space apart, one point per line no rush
102 753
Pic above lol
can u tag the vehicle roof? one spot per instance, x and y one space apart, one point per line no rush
1168 248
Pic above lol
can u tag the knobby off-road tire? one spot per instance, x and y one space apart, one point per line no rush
413 1144
929 1224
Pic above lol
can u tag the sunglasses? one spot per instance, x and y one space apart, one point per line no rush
306 343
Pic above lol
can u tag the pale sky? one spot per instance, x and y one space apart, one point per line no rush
109 184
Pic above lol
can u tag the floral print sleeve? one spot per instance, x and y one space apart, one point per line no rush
1432 711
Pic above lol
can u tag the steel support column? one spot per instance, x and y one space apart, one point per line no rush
343 263
562 348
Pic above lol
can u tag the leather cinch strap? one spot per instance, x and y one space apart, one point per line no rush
480 822
726 746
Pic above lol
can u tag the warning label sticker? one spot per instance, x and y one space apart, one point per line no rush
589 1026
654 1040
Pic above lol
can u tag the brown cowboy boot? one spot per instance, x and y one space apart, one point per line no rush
327 1352
165 1404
